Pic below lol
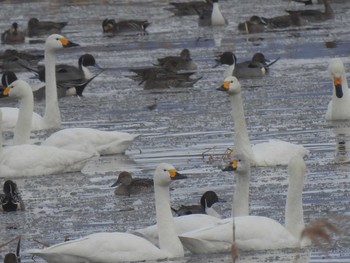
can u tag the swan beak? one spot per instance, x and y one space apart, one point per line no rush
174 175
5 93
231 167
66 43
337 81
225 86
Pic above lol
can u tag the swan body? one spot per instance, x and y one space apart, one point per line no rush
52 117
256 232
122 247
279 152
91 140
339 106
183 224
35 160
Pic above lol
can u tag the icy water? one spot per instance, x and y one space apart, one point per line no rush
288 104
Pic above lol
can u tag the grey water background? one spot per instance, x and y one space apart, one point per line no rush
288 104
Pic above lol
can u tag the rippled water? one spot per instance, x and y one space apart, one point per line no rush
288 104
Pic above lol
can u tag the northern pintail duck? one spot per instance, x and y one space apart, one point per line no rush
71 80
11 59
212 17
315 15
252 25
13 35
182 62
208 199
190 8
151 80
256 67
11 200
122 26
126 185
38 28
7 78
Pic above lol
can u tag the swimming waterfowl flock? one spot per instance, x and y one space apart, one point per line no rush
196 228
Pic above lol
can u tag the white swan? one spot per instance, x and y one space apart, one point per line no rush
117 247
271 153
257 232
88 140
52 117
34 160
339 106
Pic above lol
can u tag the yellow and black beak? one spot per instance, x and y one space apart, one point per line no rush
174 175
5 92
337 81
66 43
224 86
231 167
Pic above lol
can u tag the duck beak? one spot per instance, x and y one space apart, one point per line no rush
66 43
231 167
115 184
174 175
338 87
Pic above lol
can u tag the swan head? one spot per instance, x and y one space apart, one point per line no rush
17 89
56 41
336 69
231 85
165 173
240 164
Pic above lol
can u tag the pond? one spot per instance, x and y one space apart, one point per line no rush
190 127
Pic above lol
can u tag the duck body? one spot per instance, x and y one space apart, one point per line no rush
315 15
124 26
125 247
190 8
38 28
13 35
126 185
182 62
339 106
11 200
12 59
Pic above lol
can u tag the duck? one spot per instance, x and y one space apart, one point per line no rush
211 17
190 8
279 152
23 159
13 35
12 59
130 247
153 80
339 106
252 26
12 257
70 80
208 199
315 15
52 117
38 28
257 232
182 62
124 26
256 67
126 185
11 200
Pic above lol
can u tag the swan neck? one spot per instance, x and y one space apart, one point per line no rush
52 116
241 194
168 239
294 214
24 121
241 139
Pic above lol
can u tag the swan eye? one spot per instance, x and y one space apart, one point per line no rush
57 39
165 170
